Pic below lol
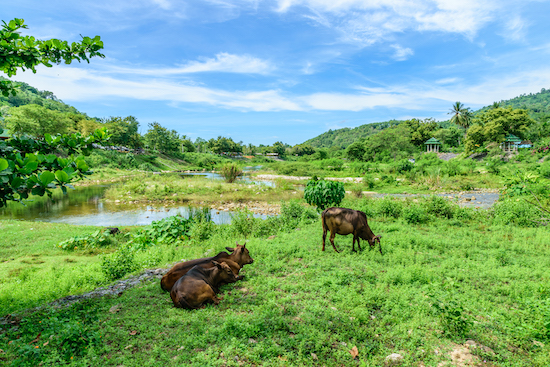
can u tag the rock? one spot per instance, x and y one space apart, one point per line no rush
394 359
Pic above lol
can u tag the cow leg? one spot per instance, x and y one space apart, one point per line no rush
324 237
353 244
331 238
358 244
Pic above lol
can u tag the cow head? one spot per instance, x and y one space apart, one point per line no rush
225 273
241 254
374 241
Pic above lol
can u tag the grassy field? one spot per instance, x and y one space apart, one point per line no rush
438 284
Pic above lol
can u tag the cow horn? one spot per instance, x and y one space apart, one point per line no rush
216 263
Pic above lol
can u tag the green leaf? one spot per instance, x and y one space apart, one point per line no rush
31 166
3 164
50 158
48 138
46 177
62 176
16 182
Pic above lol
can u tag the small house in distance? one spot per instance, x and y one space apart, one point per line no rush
432 145
511 143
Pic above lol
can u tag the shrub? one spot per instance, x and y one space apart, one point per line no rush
415 214
389 207
165 230
202 227
369 182
404 166
323 193
243 222
291 214
453 317
230 172
515 211
440 207
100 238
119 263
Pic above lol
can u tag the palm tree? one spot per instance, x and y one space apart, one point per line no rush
495 105
462 116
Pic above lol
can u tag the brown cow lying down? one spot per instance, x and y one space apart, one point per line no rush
345 221
236 260
200 285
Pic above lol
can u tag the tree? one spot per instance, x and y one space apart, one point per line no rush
34 120
421 130
124 131
461 115
494 125
26 52
356 150
29 166
162 139
323 193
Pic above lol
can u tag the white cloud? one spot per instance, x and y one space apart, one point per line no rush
401 53
222 62
228 63
85 84
369 21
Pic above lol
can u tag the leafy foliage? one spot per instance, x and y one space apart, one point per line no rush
26 52
324 194
29 166
100 238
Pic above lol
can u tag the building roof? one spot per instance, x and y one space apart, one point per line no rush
511 138
432 141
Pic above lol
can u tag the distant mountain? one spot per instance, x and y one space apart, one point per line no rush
30 95
345 136
538 104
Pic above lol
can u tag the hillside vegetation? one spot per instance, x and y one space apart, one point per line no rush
344 137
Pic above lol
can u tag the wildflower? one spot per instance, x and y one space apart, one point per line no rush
36 347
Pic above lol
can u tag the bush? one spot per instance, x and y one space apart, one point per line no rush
291 214
369 182
202 227
119 263
230 172
324 194
165 230
515 211
243 222
440 207
404 166
390 207
415 214
100 238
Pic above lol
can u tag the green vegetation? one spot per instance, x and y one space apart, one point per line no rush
460 275
30 166
26 52
324 194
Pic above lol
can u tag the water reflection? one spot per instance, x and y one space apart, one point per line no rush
84 206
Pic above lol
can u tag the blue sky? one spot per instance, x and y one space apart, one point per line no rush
289 70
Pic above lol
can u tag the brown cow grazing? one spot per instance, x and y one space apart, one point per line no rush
200 285
238 258
348 221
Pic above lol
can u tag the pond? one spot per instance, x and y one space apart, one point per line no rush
84 206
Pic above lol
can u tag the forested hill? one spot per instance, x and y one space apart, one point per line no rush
538 104
345 136
27 94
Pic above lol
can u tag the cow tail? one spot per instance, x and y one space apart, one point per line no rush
323 220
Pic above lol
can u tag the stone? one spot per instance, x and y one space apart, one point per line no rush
394 359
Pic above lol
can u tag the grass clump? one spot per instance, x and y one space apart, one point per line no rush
230 172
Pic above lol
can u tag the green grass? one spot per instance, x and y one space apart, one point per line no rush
197 190
297 302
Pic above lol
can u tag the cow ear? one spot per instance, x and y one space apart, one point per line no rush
217 264
230 249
